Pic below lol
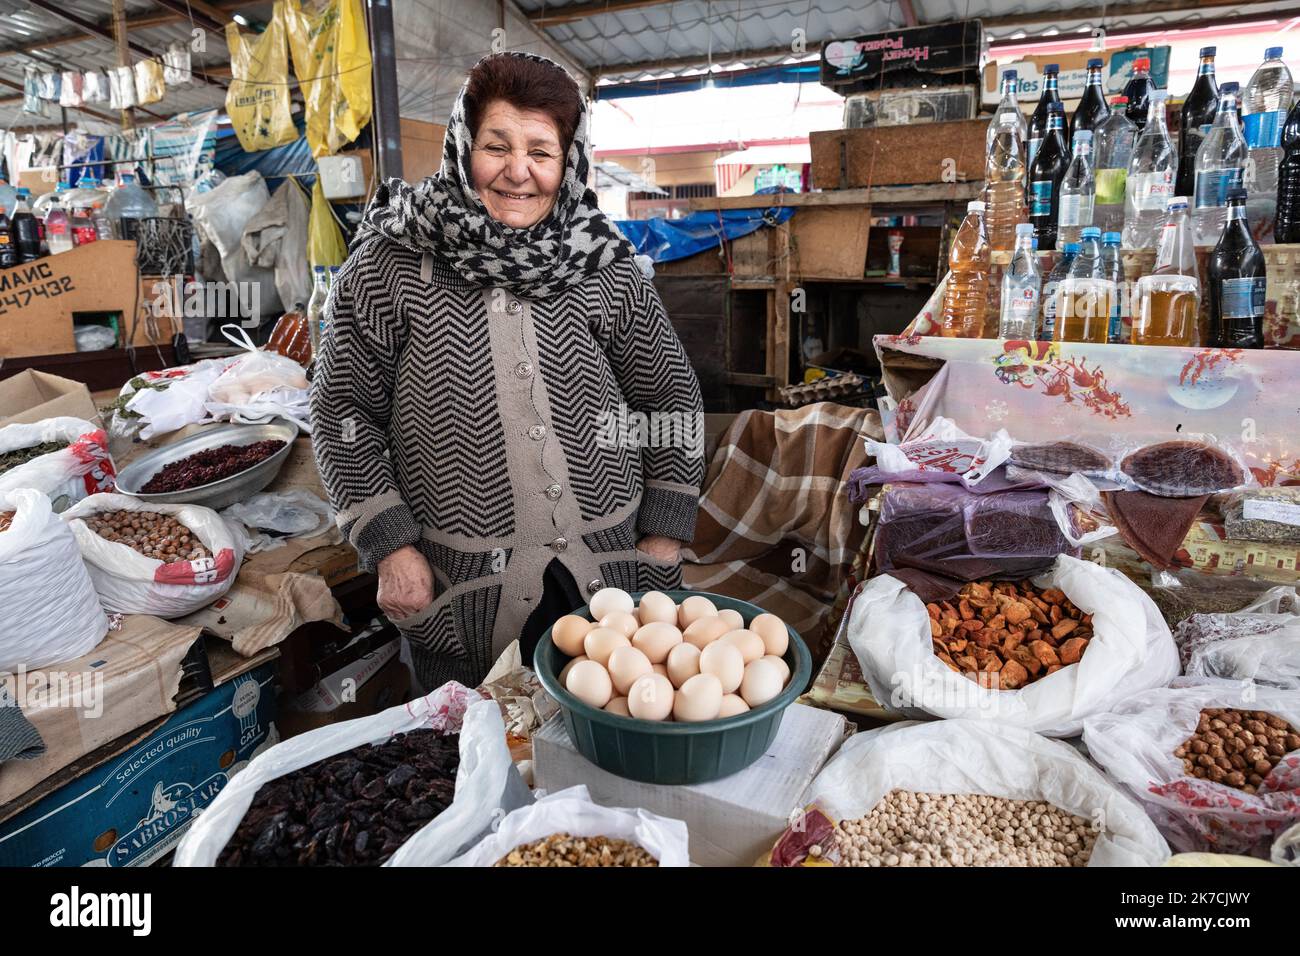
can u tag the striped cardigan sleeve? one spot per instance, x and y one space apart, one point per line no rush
352 391
656 378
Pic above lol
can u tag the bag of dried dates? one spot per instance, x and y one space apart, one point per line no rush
51 610
592 835
1216 763
64 458
164 560
1041 654
365 827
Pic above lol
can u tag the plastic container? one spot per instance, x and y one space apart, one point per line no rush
8 198
1078 190
1050 297
668 752
1045 175
1083 313
1113 148
1199 110
1220 168
1021 286
1287 223
1037 126
1169 299
58 228
1138 90
127 205
1092 109
1264 107
1151 174
966 296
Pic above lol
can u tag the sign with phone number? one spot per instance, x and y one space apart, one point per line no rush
23 297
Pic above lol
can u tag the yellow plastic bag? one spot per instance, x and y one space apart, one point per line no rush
331 58
325 245
258 98
149 85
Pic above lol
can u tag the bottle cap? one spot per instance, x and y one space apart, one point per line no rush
975 205
1071 249
1111 238
1207 51
1024 229
1091 232
1120 100
1035 243
1176 202
1051 68
1082 136
23 193
1142 63
1010 75
1230 88
1095 61
1273 53
1237 195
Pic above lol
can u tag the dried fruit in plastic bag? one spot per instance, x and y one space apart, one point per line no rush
1182 469
1063 457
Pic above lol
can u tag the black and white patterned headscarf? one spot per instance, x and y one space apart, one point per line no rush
445 215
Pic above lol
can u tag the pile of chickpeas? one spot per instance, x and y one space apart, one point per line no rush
154 535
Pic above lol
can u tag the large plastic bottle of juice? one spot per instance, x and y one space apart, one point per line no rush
1021 288
1264 106
1151 174
1220 166
966 298
1112 149
1005 171
1083 314
1169 299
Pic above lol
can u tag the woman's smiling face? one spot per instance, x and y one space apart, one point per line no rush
517 164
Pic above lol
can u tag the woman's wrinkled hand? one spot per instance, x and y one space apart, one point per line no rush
664 550
405 583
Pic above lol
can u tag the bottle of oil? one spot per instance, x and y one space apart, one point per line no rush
1169 299
1005 171
966 298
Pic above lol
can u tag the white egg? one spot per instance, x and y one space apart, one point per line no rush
724 662
568 632
779 662
748 643
657 607
590 683
625 665
693 608
761 683
564 673
683 663
621 621
700 698
618 705
732 704
734 621
705 631
651 698
609 600
600 642
775 635
656 639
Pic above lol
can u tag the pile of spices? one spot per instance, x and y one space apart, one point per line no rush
21 456
209 465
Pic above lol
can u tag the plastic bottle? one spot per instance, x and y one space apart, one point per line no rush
316 306
1005 172
1045 176
1051 289
58 228
1235 276
8 199
965 300
1083 309
27 234
83 229
1021 287
41 205
1112 268
1169 298
1008 110
1038 119
1092 109
1264 107
1078 190
1287 223
127 205
103 225
1220 166
8 251
1112 149
1151 174
1139 90
1199 110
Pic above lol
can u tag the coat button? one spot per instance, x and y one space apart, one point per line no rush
523 369
594 586
554 492
513 307
537 432
559 544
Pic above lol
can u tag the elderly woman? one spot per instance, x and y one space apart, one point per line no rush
486 329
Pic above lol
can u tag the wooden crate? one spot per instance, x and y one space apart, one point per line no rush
827 242
899 155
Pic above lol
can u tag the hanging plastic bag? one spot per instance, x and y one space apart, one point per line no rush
1261 642
1130 651
51 86
121 84
269 519
149 84
51 610
94 87
32 102
177 69
331 58
70 94
258 98
572 811
486 781
84 467
1135 745
325 245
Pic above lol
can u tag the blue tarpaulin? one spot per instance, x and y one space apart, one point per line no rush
664 240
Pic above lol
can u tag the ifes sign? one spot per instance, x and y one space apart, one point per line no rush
946 55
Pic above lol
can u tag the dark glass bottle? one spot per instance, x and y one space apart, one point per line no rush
1235 274
1287 226
26 232
1199 110
1138 92
8 251
1045 175
1038 119
1092 108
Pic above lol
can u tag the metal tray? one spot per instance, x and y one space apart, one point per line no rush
221 493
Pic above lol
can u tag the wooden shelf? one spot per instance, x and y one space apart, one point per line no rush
926 195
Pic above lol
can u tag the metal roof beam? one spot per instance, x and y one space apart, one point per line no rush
702 59
132 23
1128 10
550 16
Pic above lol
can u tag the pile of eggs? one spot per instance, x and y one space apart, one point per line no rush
659 661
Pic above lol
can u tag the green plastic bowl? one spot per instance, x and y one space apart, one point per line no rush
670 752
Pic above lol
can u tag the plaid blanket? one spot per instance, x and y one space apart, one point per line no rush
776 526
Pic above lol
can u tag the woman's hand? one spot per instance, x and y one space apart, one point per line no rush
664 550
405 583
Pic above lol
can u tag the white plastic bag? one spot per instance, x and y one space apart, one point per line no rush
572 811
286 514
1135 745
1261 642
168 399
65 476
51 611
483 779
220 216
971 756
259 386
943 449
1131 650
130 583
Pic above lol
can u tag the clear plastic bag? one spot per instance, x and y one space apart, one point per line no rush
1135 744
259 386
121 87
177 68
70 93
943 454
1261 642
1263 514
95 87
270 518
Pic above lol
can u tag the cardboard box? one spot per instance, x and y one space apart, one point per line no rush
137 799
732 821
1117 70
374 682
899 155
32 396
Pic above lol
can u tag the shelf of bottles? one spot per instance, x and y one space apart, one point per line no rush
1102 228
68 217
